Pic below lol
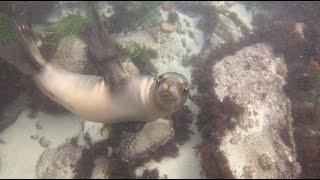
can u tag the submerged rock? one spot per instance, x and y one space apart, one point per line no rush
71 55
60 162
225 31
149 138
96 131
261 144
45 143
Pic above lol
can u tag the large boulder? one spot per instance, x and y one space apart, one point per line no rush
261 145
224 32
60 162
153 135
71 54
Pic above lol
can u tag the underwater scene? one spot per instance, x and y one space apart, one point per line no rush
159 89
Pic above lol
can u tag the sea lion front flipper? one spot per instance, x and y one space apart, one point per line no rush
21 51
103 52
25 36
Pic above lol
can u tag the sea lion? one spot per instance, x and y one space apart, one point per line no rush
142 98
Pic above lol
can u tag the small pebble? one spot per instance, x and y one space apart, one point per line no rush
265 162
184 42
180 31
187 23
189 49
191 34
34 137
44 142
32 114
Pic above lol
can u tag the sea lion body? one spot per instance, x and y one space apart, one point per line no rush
90 97
140 98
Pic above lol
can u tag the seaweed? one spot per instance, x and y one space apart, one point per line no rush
150 174
308 150
212 161
182 120
70 25
170 149
144 12
141 57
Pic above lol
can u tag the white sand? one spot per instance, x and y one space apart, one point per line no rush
20 154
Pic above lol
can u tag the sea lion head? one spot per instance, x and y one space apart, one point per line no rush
171 91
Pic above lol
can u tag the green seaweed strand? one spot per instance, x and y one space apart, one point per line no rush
141 57
70 25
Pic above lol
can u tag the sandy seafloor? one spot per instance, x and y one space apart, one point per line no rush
20 153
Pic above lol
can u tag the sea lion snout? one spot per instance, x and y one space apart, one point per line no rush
172 90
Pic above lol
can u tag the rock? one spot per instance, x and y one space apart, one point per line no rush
71 55
225 31
261 145
184 42
166 27
150 137
265 162
100 168
44 142
96 131
34 136
189 49
187 23
180 31
191 35
60 162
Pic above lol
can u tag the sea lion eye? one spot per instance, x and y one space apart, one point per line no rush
185 89
159 79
